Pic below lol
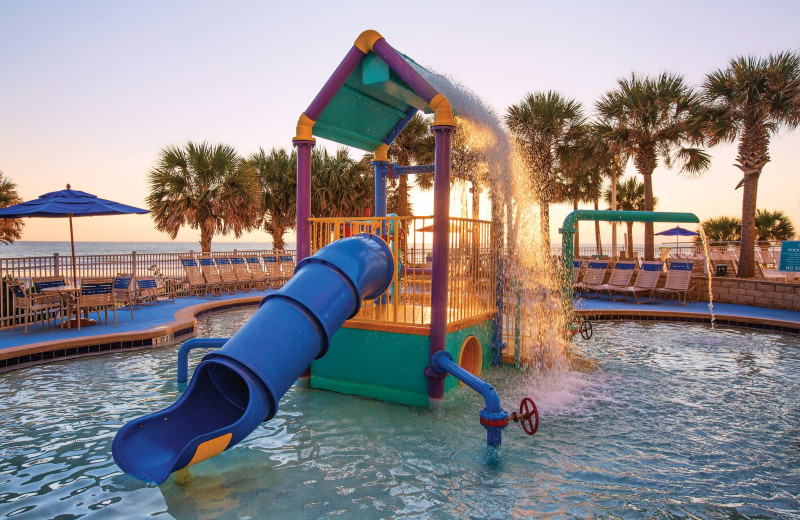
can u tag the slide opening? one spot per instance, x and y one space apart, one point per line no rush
470 357
229 384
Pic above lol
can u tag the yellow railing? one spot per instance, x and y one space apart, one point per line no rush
471 266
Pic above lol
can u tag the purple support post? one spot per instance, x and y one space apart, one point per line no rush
303 198
334 83
441 246
408 73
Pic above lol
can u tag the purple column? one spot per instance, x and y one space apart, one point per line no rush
303 198
441 246
408 73
334 83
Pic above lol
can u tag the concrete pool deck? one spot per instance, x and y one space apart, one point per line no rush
167 323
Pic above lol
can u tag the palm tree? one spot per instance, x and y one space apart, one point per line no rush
751 100
277 174
722 229
414 145
630 197
203 186
653 119
541 125
340 185
773 225
10 228
610 160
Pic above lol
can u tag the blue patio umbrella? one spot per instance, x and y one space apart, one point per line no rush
68 203
676 232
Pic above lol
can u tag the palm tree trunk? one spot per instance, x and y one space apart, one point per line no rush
629 243
649 239
614 224
205 240
277 237
597 239
753 155
544 215
402 197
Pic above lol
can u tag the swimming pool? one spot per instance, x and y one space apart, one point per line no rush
675 422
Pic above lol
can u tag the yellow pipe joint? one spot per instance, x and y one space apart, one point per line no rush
442 111
381 153
366 40
304 126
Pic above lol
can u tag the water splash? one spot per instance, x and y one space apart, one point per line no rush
533 283
707 250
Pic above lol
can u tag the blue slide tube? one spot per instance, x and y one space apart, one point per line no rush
492 417
237 387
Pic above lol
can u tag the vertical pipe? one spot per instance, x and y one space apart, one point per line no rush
441 232
381 170
498 246
303 198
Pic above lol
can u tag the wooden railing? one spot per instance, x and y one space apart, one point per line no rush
471 265
167 265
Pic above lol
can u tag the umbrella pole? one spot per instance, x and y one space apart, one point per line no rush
72 242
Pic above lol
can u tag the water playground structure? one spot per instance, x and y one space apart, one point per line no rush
386 314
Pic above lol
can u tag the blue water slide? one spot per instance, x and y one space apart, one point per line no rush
236 388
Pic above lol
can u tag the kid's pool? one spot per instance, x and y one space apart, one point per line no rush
677 422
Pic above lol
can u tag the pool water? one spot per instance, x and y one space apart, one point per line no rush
676 422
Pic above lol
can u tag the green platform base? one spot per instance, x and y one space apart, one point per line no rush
389 366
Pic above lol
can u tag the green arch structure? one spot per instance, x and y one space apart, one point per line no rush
568 231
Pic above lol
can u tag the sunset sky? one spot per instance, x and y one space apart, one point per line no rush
92 90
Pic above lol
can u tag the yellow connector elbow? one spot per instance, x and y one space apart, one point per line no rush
304 126
381 153
366 40
442 111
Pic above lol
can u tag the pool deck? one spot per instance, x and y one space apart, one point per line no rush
167 323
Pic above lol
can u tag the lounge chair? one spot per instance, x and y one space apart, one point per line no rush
679 278
96 294
257 273
225 270
123 293
197 285
272 265
212 277
646 281
593 275
39 307
577 267
148 291
241 272
621 276
287 265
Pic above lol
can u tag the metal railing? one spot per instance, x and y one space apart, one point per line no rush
471 265
167 265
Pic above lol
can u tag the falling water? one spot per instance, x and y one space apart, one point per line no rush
707 251
532 275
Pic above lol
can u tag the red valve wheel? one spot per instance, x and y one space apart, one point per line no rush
528 411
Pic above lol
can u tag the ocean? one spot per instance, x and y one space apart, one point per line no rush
25 248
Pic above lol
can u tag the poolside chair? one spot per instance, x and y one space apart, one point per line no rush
96 294
272 265
225 270
646 281
577 266
47 282
123 292
621 276
212 277
258 276
197 285
287 265
679 278
241 272
39 307
593 275
148 291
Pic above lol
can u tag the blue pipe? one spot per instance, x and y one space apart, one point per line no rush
395 131
492 417
183 353
236 388
398 170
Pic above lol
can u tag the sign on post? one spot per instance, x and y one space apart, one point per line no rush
790 257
